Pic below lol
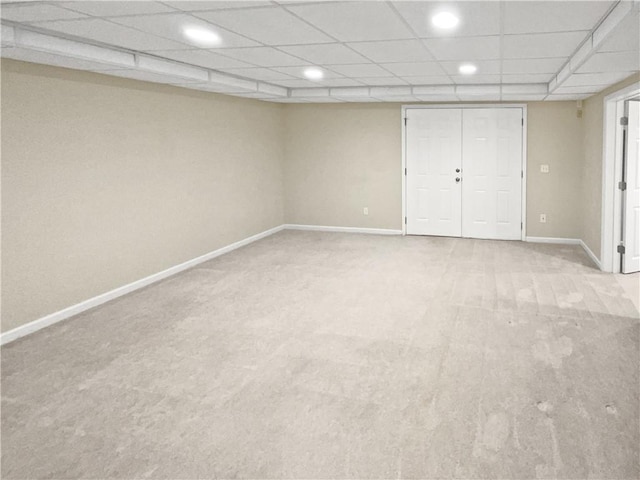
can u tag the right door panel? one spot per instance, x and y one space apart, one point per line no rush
492 173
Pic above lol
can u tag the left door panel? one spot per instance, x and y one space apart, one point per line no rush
434 153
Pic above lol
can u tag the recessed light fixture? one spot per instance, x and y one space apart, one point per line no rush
202 36
445 20
467 69
313 73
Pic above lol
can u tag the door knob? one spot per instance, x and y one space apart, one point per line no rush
457 170
457 179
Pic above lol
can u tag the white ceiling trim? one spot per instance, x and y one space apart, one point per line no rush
590 46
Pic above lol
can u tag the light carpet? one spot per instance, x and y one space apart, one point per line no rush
326 355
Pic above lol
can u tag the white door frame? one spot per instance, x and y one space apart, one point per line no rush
611 175
523 106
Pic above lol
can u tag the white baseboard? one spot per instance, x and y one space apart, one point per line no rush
560 241
591 254
56 317
322 228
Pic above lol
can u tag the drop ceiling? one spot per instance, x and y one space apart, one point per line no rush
368 50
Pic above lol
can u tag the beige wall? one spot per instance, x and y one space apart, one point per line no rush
591 195
342 158
108 180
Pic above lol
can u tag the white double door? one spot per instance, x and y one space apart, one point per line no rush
464 172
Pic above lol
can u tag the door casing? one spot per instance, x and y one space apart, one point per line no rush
523 106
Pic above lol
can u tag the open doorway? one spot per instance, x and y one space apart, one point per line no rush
621 182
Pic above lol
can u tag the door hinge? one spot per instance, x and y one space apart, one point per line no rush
622 185
405 171
521 173
621 249
405 120
624 121
405 220
521 226
522 122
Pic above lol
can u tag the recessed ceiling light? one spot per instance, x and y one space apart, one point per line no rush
467 69
314 73
202 36
445 20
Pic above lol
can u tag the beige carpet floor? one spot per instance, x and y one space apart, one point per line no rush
323 355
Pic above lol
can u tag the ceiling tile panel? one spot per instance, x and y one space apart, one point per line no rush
527 78
263 56
414 69
545 16
475 79
325 54
393 51
467 48
626 37
484 67
171 26
271 26
360 70
476 18
36 12
202 58
354 21
533 65
104 31
114 8
380 81
542 45
298 72
189 6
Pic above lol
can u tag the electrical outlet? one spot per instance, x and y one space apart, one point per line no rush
543 218
544 168
365 210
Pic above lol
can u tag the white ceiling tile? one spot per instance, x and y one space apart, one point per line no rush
341 82
485 67
611 62
298 72
533 65
259 73
169 67
527 78
626 36
171 26
299 83
529 89
36 12
361 70
114 8
475 79
434 90
612 20
393 51
196 6
325 54
310 92
476 18
380 81
229 81
111 34
428 80
478 90
202 58
581 79
354 21
414 69
542 45
545 16
272 90
271 26
263 56
350 93
468 48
